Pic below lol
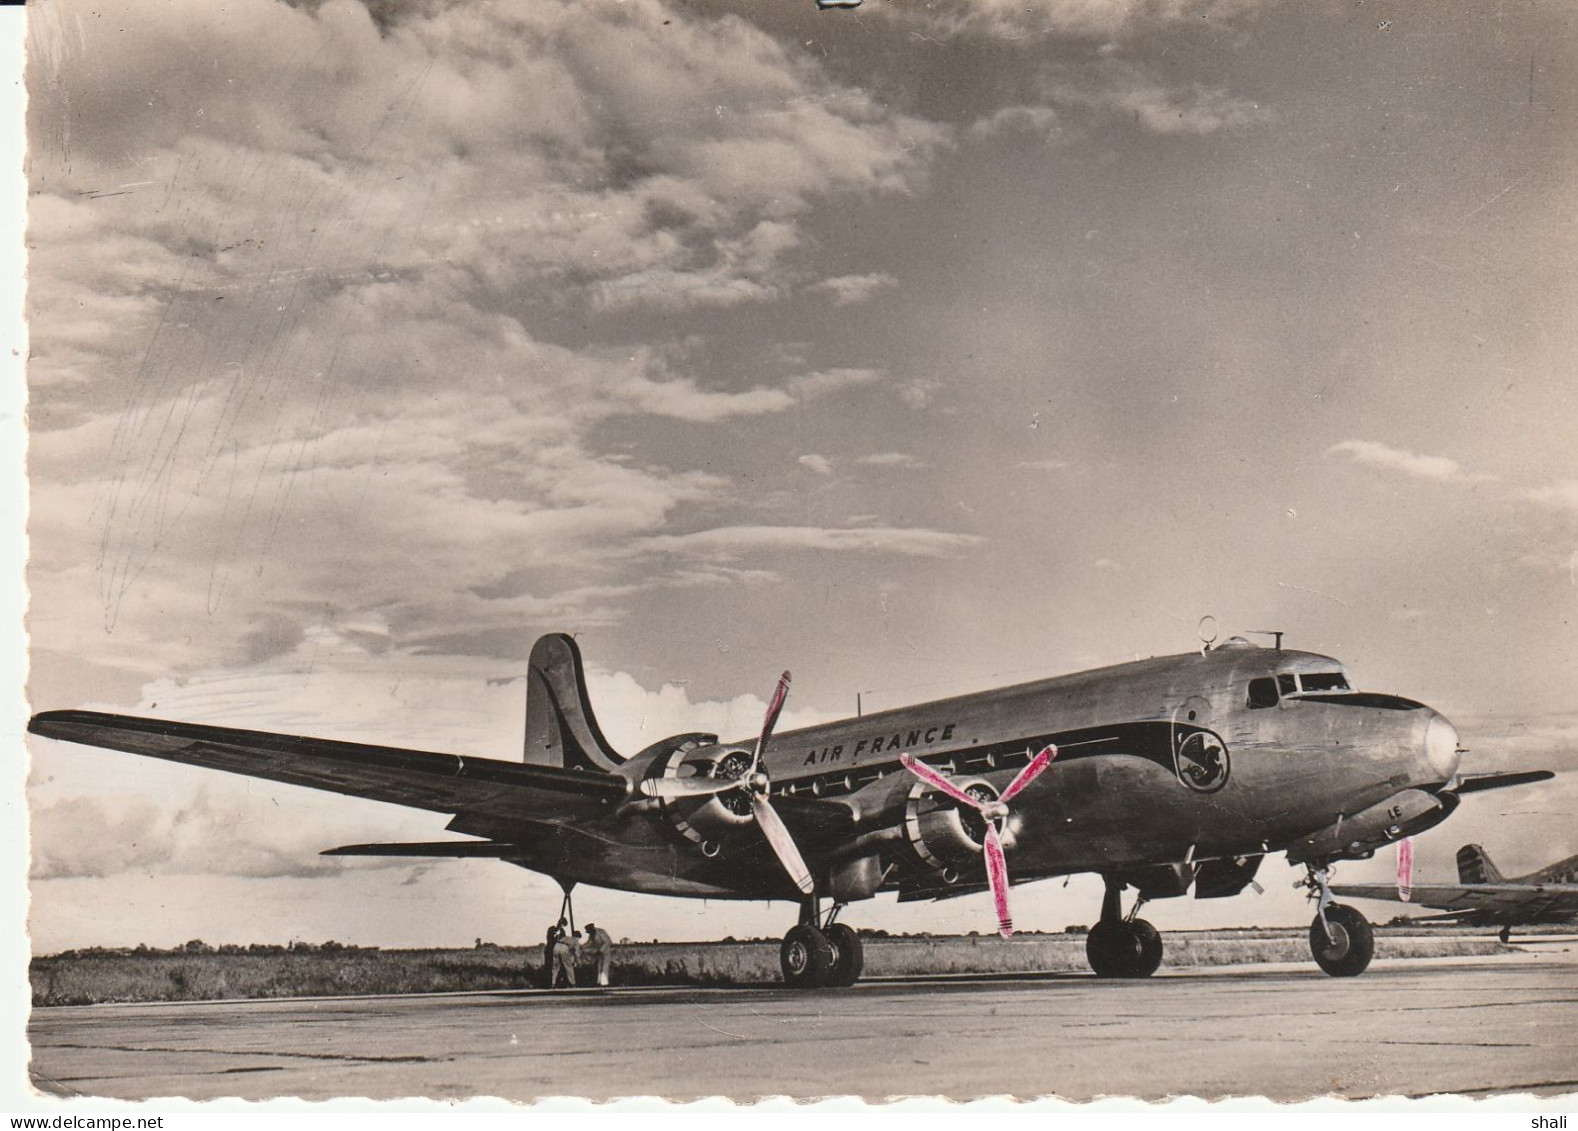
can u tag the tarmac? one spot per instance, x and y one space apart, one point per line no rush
1473 1027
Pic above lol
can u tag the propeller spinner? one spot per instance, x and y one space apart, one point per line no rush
994 813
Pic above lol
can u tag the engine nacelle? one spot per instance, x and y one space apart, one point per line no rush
706 821
1405 813
942 833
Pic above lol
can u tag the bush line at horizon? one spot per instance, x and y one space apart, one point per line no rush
91 978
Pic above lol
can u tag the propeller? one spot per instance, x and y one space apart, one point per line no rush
994 813
1405 869
757 786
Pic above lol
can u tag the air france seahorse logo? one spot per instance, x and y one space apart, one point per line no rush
1200 758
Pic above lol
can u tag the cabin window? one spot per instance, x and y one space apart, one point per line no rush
1263 692
1317 682
1288 684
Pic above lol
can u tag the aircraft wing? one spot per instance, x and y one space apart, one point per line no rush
1520 902
443 783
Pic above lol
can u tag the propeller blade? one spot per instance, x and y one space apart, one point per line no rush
938 781
771 720
1405 869
1029 774
673 789
997 876
777 835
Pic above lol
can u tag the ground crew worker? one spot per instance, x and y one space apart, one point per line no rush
566 953
555 933
600 947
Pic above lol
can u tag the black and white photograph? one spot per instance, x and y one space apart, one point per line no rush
811 548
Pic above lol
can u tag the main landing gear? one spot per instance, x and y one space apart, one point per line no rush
820 951
1341 939
1120 946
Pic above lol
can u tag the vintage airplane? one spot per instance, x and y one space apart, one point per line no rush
1170 773
1484 898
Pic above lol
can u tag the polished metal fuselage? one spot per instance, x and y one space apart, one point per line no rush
1160 761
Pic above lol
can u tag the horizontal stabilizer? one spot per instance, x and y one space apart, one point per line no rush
456 848
1474 783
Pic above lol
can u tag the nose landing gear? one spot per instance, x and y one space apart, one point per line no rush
1341 939
1120 946
820 951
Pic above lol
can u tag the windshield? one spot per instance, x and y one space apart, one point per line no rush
1317 682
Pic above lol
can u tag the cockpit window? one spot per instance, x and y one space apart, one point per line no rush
1317 682
1288 683
1263 692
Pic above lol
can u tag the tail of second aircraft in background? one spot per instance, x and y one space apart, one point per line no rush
560 727
1474 867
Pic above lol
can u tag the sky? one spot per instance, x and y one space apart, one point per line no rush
914 348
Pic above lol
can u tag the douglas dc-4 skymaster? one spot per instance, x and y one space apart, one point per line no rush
1162 775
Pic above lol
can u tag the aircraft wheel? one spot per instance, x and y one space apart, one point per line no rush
849 957
806 957
1505 935
1150 944
1124 950
1351 946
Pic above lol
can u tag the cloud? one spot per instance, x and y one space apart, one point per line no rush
1027 21
891 459
1402 462
1043 464
1116 87
1562 495
809 386
846 290
1039 120
295 284
819 464
732 540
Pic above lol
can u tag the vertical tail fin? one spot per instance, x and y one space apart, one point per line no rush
560 727
1474 867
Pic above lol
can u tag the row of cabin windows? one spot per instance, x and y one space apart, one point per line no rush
1268 692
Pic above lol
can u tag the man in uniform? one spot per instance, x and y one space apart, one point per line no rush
566 953
600 947
555 933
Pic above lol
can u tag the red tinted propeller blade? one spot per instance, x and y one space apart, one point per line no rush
777 835
936 780
1405 869
771 720
1029 774
997 877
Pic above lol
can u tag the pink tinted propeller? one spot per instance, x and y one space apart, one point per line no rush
1405 869
993 812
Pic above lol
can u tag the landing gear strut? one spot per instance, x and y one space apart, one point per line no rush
819 950
1341 939
1120 946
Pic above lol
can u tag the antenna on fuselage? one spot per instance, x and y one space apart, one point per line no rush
1275 634
1208 632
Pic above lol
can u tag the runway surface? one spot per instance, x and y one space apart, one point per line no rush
1407 1027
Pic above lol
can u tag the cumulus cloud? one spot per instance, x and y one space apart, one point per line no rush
1039 120
296 280
1112 86
1372 454
1028 21
846 290
819 464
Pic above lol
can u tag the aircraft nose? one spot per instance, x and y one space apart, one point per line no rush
1441 746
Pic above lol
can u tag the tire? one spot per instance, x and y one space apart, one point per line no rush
1111 950
849 957
1348 951
805 958
1150 948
